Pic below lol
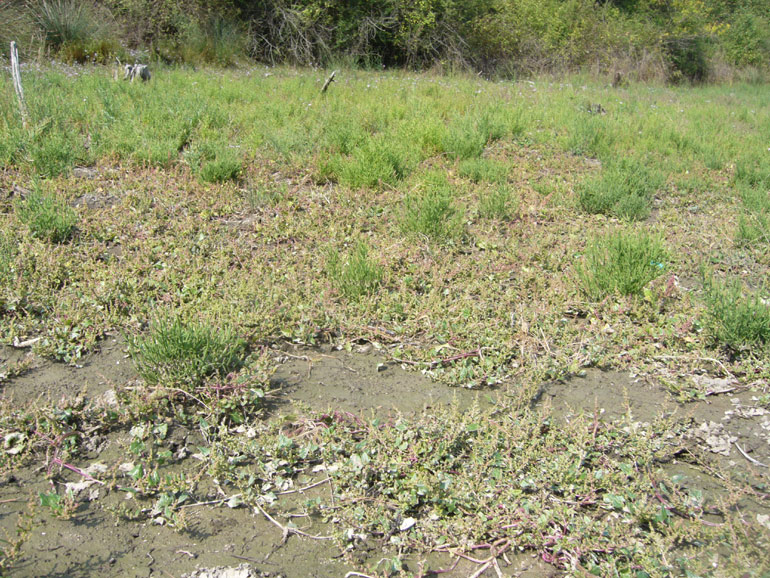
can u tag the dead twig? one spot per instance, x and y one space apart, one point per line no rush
287 531
748 457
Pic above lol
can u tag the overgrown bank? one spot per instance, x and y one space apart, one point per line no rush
678 39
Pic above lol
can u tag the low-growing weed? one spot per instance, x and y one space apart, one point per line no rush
736 320
498 203
184 354
625 190
48 217
621 262
355 276
430 211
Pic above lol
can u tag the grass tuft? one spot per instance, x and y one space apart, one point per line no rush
355 276
734 320
222 169
48 217
498 203
181 354
484 170
429 211
754 222
625 190
621 262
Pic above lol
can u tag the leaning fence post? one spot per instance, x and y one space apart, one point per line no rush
16 73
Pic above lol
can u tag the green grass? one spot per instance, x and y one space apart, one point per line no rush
498 202
624 189
754 221
430 211
621 263
481 170
735 319
355 275
48 217
179 354
225 168
475 200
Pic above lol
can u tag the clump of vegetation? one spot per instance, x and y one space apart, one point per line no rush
182 354
377 161
221 169
497 203
621 262
73 30
734 319
48 217
483 170
355 276
624 189
430 210
754 222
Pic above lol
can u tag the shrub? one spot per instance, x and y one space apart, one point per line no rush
355 276
73 29
688 59
181 354
747 40
621 262
48 217
217 40
430 211
734 320
625 189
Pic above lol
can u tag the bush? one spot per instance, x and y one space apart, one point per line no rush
217 40
688 59
622 263
355 276
184 354
74 30
736 321
747 40
47 217
430 211
625 190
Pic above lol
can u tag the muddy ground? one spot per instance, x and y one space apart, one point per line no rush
727 429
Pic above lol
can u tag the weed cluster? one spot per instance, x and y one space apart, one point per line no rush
179 354
735 320
430 210
621 262
625 189
355 276
48 217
